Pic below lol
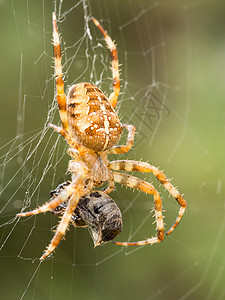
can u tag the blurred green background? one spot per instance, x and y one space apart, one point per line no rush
173 73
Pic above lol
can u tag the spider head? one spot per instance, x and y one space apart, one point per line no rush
101 215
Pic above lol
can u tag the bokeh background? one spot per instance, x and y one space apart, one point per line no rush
173 73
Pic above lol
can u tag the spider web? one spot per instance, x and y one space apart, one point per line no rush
171 57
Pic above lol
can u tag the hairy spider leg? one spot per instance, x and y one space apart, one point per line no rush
146 187
48 206
73 192
129 143
63 224
75 147
130 165
115 65
61 97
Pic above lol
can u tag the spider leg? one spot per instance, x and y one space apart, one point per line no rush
75 147
63 224
61 97
115 65
130 165
124 148
78 186
48 206
63 132
72 193
110 187
146 187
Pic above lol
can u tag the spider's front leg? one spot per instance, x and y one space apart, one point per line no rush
49 206
63 224
72 193
68 192
130 165
79 172
146 187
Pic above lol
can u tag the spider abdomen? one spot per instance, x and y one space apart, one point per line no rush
92 120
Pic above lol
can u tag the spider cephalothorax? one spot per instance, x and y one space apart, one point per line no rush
92 129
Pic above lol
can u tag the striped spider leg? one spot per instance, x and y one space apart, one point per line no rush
61 97
115 64
73 192
133 182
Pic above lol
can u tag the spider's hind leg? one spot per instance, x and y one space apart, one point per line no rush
61 97
115 64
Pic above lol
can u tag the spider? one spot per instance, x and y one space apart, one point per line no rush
92 129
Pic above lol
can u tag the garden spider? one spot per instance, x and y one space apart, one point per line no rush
92 128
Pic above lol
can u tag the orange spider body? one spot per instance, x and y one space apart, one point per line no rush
92 128
92 120
94 125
